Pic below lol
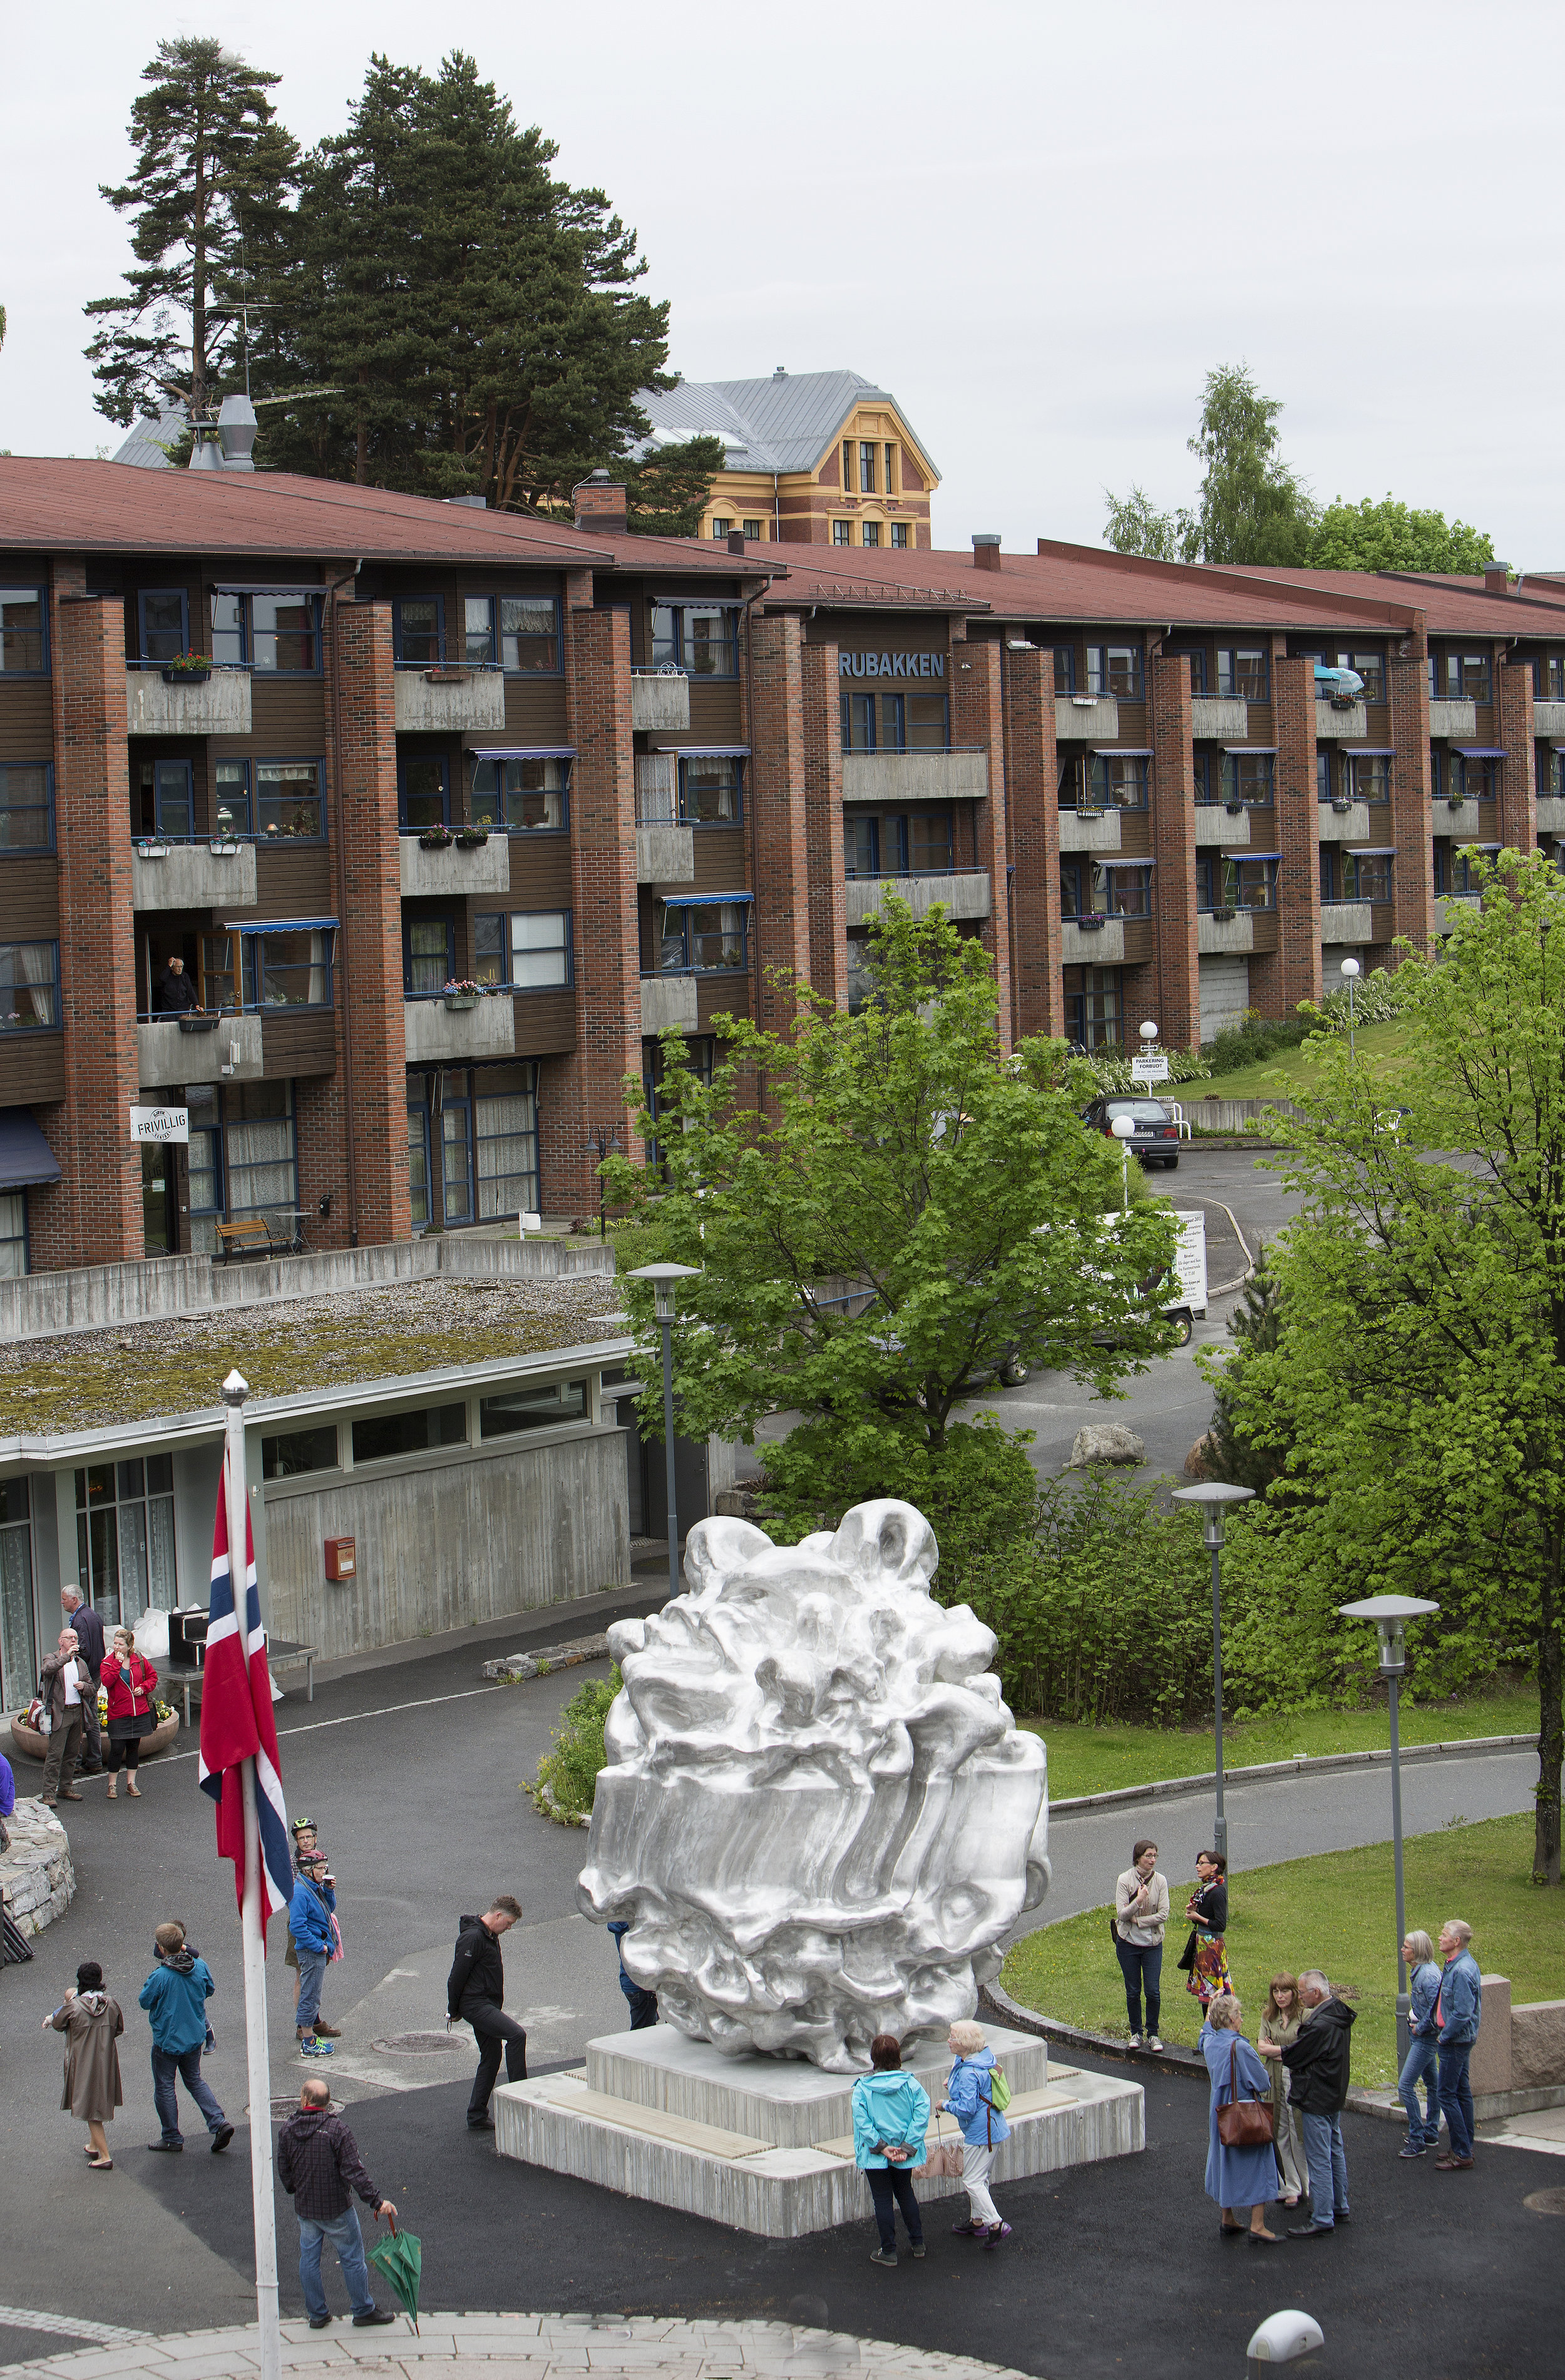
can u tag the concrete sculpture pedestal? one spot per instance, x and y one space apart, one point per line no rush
766 2144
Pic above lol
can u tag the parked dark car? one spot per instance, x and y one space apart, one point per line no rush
1156 1136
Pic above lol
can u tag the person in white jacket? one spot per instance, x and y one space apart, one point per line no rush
1141 1914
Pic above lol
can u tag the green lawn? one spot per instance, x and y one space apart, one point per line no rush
1290 1070
1096 1759
1337 1912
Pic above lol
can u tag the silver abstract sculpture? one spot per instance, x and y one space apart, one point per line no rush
817 1817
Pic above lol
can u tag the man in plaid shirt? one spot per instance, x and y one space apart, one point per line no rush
319 2166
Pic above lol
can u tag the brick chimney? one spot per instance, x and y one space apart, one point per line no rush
1497 578
600 504
986 550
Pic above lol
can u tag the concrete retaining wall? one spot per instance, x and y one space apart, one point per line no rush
36 1875
1224 1115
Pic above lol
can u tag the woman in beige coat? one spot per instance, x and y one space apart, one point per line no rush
92 2024
1280 2020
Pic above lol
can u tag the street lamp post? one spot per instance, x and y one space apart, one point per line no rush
1123 1128
1390 1614
1212 1496
603 1144
663 1278
1350 971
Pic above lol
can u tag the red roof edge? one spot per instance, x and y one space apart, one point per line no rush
1181 573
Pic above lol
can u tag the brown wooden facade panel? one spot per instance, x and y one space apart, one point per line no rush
541 873
298 1045
294 880
32 1069
545 1024
29 898
719 859
26 722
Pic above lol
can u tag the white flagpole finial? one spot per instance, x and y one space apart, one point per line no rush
236 1388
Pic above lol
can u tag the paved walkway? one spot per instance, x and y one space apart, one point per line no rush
519 2346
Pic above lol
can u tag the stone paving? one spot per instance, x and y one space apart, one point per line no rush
517 2347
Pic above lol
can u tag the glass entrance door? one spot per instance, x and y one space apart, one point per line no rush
455 1152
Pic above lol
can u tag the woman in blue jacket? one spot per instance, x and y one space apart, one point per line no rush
1240 2177
890 2118
1423 2047
970 2098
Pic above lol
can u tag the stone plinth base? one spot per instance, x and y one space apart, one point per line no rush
36 1877
766 2144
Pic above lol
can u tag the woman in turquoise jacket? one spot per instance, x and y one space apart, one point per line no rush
890 2118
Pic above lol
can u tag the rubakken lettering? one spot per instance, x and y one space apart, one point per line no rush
890 664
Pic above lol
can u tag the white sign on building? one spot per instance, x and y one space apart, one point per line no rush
161 1126
1150 1066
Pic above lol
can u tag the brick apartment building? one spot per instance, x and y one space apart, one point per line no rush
665 767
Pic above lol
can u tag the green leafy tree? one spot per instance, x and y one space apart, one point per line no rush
666 492
1390 536
1251 506
476 320
906 1213
209 199
1416 1391
1135 525
1255 1326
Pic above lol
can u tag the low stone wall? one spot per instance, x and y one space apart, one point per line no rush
1537 2044
36 1875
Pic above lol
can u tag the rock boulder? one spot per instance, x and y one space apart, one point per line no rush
1105 1441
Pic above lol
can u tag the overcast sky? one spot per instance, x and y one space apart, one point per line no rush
1038 225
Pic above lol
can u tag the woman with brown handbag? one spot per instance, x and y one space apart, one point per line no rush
1241 2161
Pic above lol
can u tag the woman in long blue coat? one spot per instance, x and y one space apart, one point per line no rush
1237 2177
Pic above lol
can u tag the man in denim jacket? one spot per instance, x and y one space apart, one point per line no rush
1457 2013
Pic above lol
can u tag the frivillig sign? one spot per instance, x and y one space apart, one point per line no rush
161 1126
890 664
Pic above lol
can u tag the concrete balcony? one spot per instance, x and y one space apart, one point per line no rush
1219 829
1334 724
1346 921
1219 717
1215 936
1461 819
1551 813
216 706
454 872
1349 825
1093 945
1086 718
915 776
664 849
1548 718
437 706
966 894
668 1000
660 699
193 876
168 1054
1449 907
437 1035
1458 719
665 855
1079 833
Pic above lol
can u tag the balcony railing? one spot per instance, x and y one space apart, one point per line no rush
195 875
432 700
917 776
207 1047
961 892
186 705
660 699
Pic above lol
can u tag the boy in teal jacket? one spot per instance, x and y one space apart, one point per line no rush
175 1996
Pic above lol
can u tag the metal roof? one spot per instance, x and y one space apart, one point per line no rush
145 445
786 423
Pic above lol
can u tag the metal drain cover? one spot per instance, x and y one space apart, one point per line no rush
1546 2201
417 2045
283 2109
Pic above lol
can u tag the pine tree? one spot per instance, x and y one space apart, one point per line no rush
666 492
209 196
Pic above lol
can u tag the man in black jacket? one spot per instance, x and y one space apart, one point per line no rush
1317 2064
476 1990
320 2167
91 1644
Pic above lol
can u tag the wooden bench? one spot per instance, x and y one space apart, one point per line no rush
251 1237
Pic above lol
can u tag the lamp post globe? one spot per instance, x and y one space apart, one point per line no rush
1349 971
1214 1497
1390 1614
1149 1031
1123 1128
664 1280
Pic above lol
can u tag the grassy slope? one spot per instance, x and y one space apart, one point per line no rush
1290 1070
1097 1759
1337 1913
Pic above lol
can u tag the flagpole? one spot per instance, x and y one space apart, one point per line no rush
257 2057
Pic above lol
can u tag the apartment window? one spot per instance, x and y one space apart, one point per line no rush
1460 677
1196 656
1459 868
290 801
927 722
1130 892
754 530
23 639
417 631
1094 1007
871 532
847 466
30 987
1369 776
705 938
1551 769
279 632
284 964
1323 776
866 466
1247 777
900 533
890 469
1081 888
711 790
1459 777
1119 780
533 1408
165 801
163 618
418 1163
894 722
27 807
424 792
1201 770
860 846
1242 672
1225 881
13 1241
125 1538
521 794
504 1131
429 956
204 1175
1366 876
19 1645
230 788
858 723
1371 667
700 639
263 1153
1115 669
525 627
1065 669
295 1451
541 954
1548 674
377 1437
842 532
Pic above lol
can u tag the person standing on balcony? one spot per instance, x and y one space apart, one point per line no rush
177 994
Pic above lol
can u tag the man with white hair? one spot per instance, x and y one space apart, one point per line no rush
1458 2013
1317 2064
91 1643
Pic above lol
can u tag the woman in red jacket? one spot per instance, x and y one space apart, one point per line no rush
130 1684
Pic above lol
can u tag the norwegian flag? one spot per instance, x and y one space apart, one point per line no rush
236 1724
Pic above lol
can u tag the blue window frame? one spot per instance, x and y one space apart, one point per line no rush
712 789
708 937
282 963
1196 656
279 632
523 950
1551 771
1082 889
1354 875
1548 676
1453 777
261 1150
165 804
417 1161
290 801
860 846
1094 1007
456 1158
429 956
163 617
27 807
1249 777
526 629
1118 669
505 1139
14 1260
1119 780
417 631
858 723
24 632
1065 669
230 808
1369 773
1243 673
30 987
204 1166
424 792
521 794
1227 881
1456 677
1455 865
700 638
1201 766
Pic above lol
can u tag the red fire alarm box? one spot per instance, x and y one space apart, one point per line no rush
341 1558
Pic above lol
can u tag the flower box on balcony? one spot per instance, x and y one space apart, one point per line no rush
1090 925
151 851
1340 804
443 676
223 850
437 838
463 993
1224 917
190 672
1234 809
1454 801
1085 810
199 1023
459 1000
472 838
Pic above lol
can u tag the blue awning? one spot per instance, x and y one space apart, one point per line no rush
1367 751
1481 751
700 899
278 925
1375 850
1259 749
1142 862
25 1154
704 751
1123 751
521 751
1237 853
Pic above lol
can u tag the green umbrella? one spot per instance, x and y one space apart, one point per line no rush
398 2258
